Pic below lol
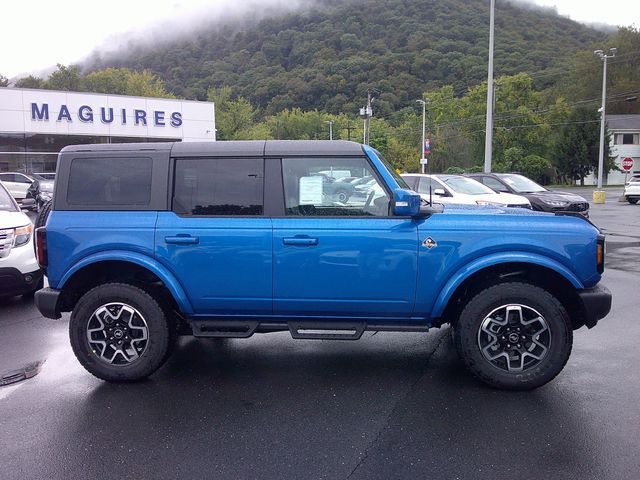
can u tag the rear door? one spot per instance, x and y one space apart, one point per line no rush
336 257
216 240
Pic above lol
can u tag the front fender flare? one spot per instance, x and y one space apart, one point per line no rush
142 260
490 260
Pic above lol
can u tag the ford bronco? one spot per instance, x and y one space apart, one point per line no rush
148 241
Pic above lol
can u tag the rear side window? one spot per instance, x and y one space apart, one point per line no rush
105 182
218 186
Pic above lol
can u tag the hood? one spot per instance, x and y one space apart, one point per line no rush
557 196
491 210
13 219
511 199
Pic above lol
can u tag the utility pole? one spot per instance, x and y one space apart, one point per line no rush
488 142
348 128
423 160
366 113
330 122
599 195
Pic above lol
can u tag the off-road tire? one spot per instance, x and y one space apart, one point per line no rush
479 307
160 337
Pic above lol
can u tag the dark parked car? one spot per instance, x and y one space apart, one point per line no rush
541 198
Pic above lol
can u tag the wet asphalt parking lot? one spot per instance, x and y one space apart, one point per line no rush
390 406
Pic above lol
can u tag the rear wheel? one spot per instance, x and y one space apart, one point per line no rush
119 333
632 201
514 336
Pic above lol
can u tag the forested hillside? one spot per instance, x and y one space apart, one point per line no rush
327 56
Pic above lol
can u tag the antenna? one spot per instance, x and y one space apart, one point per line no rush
430 186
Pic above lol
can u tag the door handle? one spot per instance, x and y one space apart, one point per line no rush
300 241
182 240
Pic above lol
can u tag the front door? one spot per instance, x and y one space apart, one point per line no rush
216 240
337 256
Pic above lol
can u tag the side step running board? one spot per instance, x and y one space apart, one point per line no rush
326 330
299 329
224 328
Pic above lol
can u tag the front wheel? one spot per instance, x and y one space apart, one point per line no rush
342 196
514 336
119 332
632 201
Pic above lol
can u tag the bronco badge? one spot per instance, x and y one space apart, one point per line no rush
429 243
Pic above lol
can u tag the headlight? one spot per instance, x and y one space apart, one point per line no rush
22 235
486 202
556 203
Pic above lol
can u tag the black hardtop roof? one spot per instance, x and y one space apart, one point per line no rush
232 148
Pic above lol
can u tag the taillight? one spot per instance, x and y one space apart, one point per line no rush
600 254
41 247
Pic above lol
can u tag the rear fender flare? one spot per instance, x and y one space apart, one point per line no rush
144 261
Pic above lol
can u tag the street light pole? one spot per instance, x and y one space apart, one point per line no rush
488 142
330 122
599 196
366 113
424 134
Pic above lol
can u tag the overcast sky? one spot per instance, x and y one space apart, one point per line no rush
36 34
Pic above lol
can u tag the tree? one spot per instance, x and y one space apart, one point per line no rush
30 82
4 81
65 78
577 146
144 84
584 81
234 118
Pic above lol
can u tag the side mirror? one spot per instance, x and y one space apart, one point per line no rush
440 192
27 203
406 203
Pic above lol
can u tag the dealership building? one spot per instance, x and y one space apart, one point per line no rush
36 124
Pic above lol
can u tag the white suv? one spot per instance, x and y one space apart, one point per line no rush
632 189
19 270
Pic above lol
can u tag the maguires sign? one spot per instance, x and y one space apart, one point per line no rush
87 114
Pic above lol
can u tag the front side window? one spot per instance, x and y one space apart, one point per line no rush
322 187
218 186
428 184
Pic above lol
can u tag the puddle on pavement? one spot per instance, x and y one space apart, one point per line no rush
23 373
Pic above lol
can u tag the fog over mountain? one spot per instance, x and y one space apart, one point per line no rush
327 53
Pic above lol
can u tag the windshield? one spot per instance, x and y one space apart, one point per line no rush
44 176
401 181
6 202
522 184
466 186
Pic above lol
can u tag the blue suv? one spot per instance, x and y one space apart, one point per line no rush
148 241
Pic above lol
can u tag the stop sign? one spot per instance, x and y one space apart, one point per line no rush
627 164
